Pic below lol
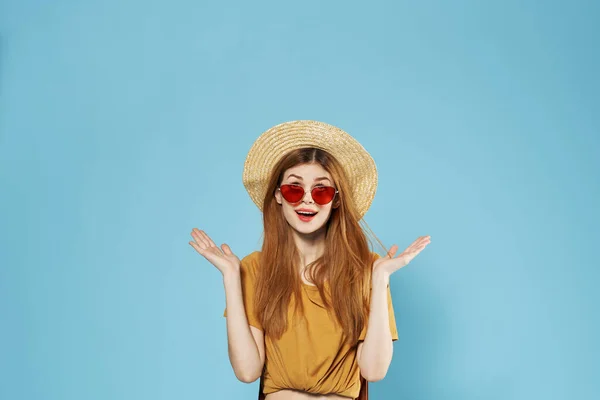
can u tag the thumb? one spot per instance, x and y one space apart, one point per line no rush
392 251
226 249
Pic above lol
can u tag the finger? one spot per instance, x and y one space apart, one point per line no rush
196 232
415 251
226 249
200 239
411 248
419 243
196 247
208 239
423 244
418 246
211 254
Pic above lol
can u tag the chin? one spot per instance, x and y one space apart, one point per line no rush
307 230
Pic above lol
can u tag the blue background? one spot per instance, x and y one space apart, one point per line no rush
124 124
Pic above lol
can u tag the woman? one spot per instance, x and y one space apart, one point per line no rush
311 314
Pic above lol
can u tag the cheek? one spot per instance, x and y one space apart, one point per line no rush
326 213
288 211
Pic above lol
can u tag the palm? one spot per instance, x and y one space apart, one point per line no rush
221 257
391 264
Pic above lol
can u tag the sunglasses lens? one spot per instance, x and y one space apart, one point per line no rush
292 193
323 194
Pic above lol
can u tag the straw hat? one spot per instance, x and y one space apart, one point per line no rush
279 140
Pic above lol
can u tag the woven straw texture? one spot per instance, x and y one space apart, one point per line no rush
273 144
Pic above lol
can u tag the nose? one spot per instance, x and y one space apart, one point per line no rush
307 193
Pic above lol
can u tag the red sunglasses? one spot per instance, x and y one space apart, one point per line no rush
295 193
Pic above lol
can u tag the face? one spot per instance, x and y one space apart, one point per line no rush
307 176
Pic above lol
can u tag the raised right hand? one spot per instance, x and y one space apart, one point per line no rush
222 258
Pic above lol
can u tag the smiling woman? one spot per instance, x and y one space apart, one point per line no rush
308 203
311 313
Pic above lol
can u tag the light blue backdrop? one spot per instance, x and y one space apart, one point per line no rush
124 124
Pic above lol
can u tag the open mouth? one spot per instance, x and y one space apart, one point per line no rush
305 216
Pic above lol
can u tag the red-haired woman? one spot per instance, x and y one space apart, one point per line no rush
310 314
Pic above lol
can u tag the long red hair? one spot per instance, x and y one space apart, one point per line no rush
346 260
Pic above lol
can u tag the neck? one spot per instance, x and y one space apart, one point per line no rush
310 246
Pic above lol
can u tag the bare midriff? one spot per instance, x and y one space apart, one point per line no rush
288 394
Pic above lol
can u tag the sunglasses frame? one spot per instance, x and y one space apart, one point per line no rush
304 194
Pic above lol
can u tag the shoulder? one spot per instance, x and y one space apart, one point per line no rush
252 257
251 261
374 256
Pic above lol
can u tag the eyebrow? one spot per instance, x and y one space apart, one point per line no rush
321 178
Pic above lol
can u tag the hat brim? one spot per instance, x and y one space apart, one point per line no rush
279 140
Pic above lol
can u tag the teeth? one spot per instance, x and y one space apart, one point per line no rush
305 213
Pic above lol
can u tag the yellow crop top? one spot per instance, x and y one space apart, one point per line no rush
310 355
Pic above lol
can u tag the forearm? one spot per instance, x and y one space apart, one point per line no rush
377 348
243 351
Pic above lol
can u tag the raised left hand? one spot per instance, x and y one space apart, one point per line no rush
388 264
